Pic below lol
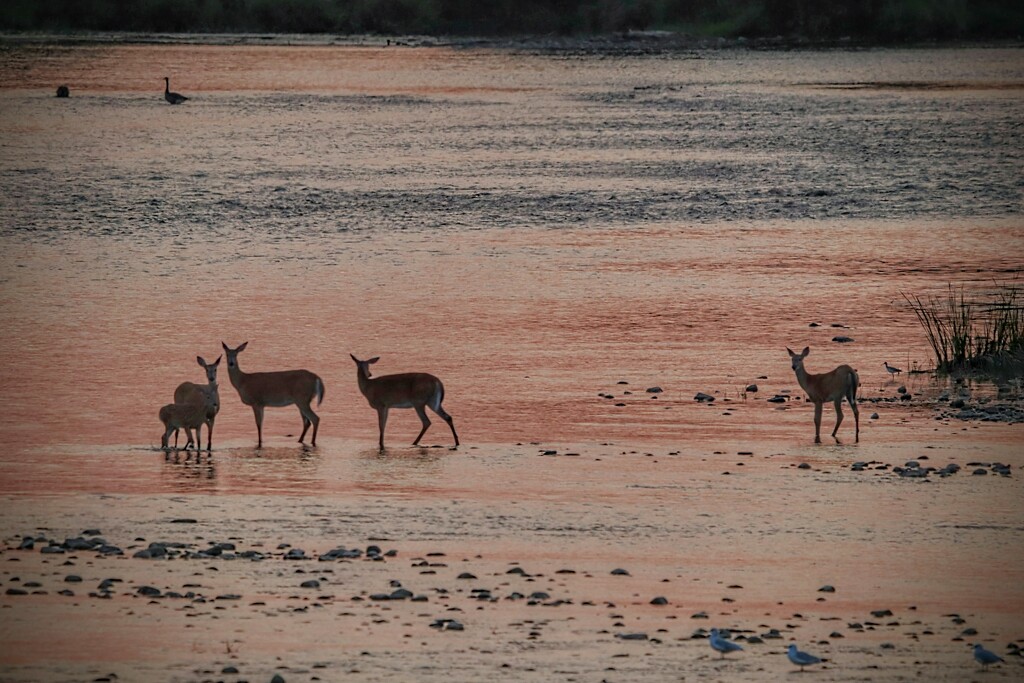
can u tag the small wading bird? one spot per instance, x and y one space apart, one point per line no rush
276 389
801 659
985 657
415 390
831 386
891 370
172 97
721 645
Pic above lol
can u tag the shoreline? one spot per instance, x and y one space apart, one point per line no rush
634 41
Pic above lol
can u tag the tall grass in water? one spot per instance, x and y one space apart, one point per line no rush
974 335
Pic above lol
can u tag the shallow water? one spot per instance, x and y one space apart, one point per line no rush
535 229
532 228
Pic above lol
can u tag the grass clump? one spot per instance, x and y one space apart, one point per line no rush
981 334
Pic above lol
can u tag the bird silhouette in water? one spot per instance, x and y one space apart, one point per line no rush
985 657
801 659
891 370
172 97
721 645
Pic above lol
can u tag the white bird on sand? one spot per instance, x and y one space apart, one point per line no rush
801 659
721 644
172 97
891 370
984 657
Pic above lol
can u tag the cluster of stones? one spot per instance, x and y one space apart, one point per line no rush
913 469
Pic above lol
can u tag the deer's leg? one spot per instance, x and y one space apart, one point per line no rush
839 416
382 421
422 412
209 435
856 418
257 412
165 439
175 438
309 418
447 418
817 423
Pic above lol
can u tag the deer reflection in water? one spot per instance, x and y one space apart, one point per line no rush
191 468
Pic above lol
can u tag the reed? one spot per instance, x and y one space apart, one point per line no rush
985 333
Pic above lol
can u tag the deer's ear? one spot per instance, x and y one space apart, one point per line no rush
807 350
216 362
353 357
225 346
242 347
373 360
202 363
791 354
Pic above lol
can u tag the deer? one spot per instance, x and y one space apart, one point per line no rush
188 416
831 386
276 390
415 390
189 392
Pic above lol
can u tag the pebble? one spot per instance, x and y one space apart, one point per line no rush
654 390
312 583
660 600
842 339
701 397
827 589
277 679
620 572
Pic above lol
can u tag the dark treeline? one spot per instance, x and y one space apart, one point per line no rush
870 20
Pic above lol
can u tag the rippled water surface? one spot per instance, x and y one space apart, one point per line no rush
533 228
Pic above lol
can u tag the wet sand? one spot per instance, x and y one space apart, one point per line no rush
503 222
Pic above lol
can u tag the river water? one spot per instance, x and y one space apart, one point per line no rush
533 227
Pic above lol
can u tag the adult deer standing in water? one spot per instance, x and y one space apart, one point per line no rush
276 389
415 390
189 392
829 386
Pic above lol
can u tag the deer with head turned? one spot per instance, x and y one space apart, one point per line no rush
416 390
834 386
276 389
189 392
187 416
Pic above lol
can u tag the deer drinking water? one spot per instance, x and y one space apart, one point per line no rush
189 392
276 389
407 390
831 386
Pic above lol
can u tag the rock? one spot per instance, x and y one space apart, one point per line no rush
400 594
277 679
874 416
654 390
827 589
880 613
229 670
72 578
296 554
660 600
701 397
184 520
842 339
777 398
980 472
447 625
803 466
63 91
466 575
312 583
814 325
631 636
620 572
902 389
752 388
148 591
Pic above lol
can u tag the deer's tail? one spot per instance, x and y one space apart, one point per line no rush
319 391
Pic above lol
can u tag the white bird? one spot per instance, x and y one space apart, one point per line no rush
172 97
801 659
891 370
722 645
984 657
